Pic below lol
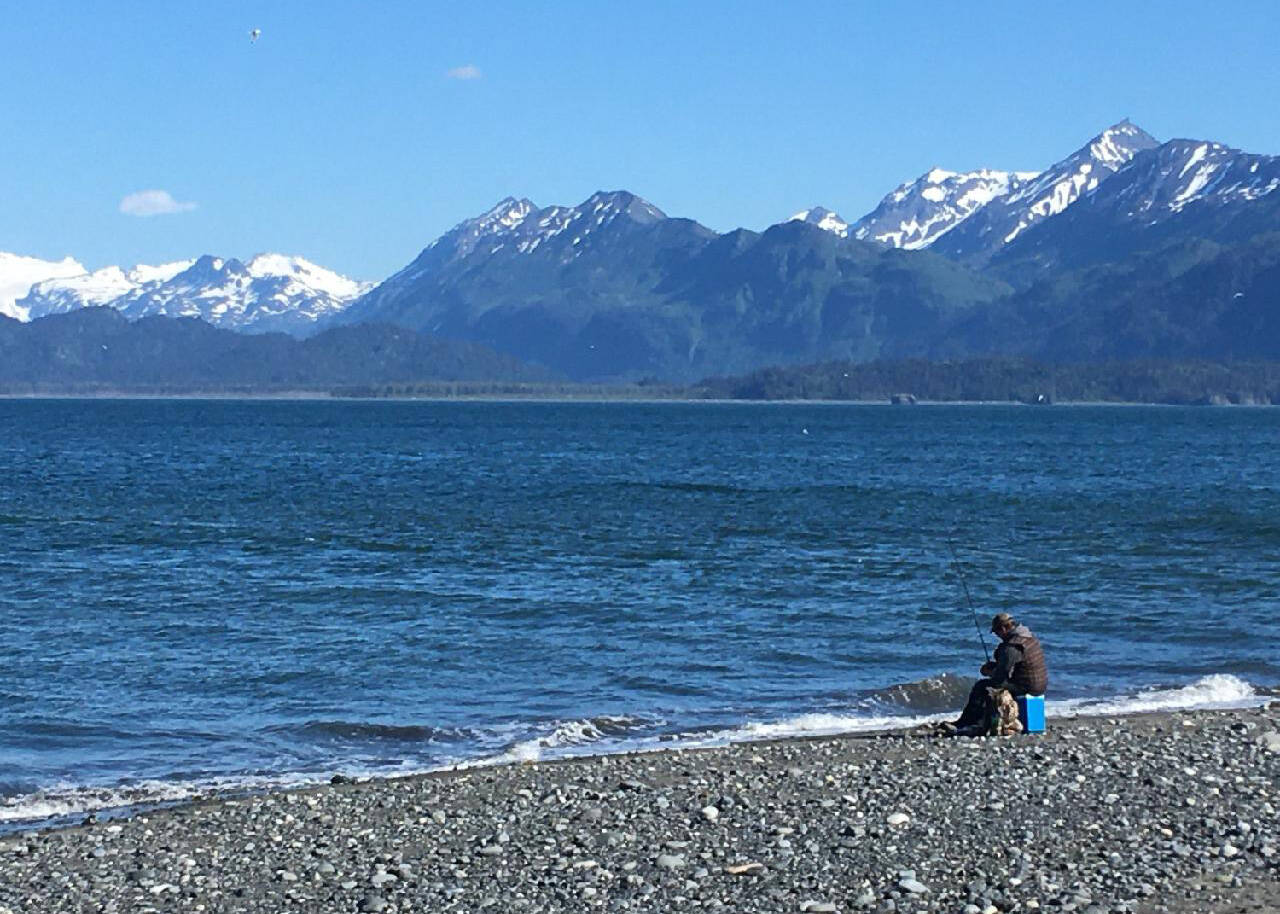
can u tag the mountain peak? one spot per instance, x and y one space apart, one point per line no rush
1008 215
507 213
918 213
623 202
502 218
824 219
1119 143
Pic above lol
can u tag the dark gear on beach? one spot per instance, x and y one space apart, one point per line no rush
1019 666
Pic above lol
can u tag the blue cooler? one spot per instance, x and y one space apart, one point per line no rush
1031 713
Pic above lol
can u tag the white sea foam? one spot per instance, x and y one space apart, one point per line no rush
1212 692
66 800
824 725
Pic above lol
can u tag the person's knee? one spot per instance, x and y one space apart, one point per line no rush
980 687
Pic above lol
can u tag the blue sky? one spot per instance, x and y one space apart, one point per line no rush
351 134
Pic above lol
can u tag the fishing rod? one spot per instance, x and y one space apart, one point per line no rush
955 563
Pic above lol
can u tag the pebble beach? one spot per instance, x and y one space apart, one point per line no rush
1164 812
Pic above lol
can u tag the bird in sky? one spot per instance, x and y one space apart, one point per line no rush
253 35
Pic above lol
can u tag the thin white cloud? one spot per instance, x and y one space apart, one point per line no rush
153 203
470 71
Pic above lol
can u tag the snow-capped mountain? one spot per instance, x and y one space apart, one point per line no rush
101 287
525 226
559 245
520 227
1181 173
824 219
270 292
18 274
1176 192
918 213
1005 217
1133 248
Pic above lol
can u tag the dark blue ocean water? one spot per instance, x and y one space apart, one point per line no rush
219 593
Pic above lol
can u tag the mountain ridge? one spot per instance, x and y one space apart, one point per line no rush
1156 237
918 213
1049 194
268 292
940 257
652 295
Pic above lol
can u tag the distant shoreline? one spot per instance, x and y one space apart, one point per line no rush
326 396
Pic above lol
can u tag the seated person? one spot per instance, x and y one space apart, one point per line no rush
1018 666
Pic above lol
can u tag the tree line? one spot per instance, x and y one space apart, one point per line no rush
1011 380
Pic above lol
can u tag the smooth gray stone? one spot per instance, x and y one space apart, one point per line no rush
1270 741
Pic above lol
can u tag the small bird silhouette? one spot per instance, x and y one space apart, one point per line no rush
253 35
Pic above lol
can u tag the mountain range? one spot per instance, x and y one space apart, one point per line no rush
1126 247
268 292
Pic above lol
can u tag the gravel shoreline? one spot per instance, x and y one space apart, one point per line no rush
1148 813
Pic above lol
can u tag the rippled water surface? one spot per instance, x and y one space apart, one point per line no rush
196 593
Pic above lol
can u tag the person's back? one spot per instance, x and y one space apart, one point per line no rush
1030 674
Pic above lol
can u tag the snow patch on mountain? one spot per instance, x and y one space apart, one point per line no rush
466 236
18 274
547 224
824 219
303 277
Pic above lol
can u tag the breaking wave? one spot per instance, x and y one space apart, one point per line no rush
581 737
62 804
1211 692
943 692
1217 691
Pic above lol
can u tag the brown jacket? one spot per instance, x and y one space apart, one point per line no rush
1020 663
